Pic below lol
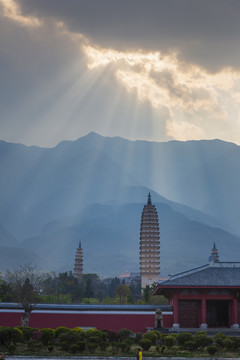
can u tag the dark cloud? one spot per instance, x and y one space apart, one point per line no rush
205 32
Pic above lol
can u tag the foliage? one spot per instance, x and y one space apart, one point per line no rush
50 348
5 291
228 344
111 335
183 337
138 337
27 332
236 341
125 345
218 339
73 348
122 293
145 344
152 336
91 347
169 341
103 345
202 340
212 349
17 335
81 345
190 345
47 336
61 330
12 348
124 334
68 338
6 335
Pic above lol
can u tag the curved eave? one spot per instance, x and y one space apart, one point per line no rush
159 288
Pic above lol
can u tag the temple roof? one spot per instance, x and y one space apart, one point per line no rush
221 274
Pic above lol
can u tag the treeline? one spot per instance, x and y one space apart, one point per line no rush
65 288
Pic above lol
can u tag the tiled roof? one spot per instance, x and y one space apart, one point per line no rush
213 274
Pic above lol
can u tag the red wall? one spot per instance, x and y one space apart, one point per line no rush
134 321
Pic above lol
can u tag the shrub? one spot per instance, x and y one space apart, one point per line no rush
145 344
138 337
183 337
65 345
218 339
152 336
94 339
73 348
228 344
124 334
91 347
31 344
125 345
17 335
212 349
6 335
92 332
61 330
36 335
169 341
47 336
190 345
11 348
202 340
236 341
70 337
111 335
161 349
50 348
81 345
27 332
114 346
103 345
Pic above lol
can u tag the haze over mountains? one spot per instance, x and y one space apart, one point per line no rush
93 190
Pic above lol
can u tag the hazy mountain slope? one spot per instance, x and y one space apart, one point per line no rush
40 185
214 188
110 241
13 257
7 239
94 189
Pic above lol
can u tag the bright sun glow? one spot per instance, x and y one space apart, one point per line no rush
12 11
183 88
186 101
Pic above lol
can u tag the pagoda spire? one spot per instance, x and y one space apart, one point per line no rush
214 255
149 199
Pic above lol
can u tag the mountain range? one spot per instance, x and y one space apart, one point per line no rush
93 190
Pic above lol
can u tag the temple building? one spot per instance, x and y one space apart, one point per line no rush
149 245
78 265
205 297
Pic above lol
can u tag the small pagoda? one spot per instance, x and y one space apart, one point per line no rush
78 265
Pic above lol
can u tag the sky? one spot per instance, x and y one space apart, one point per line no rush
157 70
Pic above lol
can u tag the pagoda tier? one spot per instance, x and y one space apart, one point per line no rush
149 245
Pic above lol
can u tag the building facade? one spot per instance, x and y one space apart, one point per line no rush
149 245
205 297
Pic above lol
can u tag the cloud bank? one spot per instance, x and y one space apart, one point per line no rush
153 69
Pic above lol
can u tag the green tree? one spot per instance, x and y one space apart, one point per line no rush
5 290
122 292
